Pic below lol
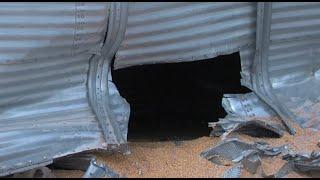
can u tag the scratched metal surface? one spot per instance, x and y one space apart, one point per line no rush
45 49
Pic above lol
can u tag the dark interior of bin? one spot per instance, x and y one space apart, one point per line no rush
177 100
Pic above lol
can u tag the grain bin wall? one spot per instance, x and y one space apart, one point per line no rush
45 51
160 32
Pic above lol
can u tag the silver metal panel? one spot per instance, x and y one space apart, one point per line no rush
247 56
45 50
160 32
246 106
294 59
40 30
286 67
295 42
56 91
104 100
260 79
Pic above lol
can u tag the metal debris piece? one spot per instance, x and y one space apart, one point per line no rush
255 128
245 154
248 106
249 115
235 150
233 172
282 173
308 164
122 148
227 150
271 151
284 170
304 162
252 163
40 172
99 171
85 162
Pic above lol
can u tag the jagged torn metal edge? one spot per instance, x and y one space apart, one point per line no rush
260 81
260 73
243 110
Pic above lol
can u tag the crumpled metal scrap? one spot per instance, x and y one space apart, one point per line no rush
233 172
253 127
247 114
281 173
96 170
271 151
252 162
87 163
233 151
227 151
83 162
306 163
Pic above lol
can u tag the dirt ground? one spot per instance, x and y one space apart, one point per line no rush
182 159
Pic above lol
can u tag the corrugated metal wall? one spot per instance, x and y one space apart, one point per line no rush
35 30
45 50
294 59
295 41
159 32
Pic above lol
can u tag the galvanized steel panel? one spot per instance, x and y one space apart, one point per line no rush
45 112
294 59
56 94
160 32
174 32
40 30
295 45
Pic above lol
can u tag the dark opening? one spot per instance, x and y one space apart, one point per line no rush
177 100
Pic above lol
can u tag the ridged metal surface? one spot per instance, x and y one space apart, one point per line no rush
37 30
103 99
246 106
294 59
247 56
45 50
160 32
295 42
